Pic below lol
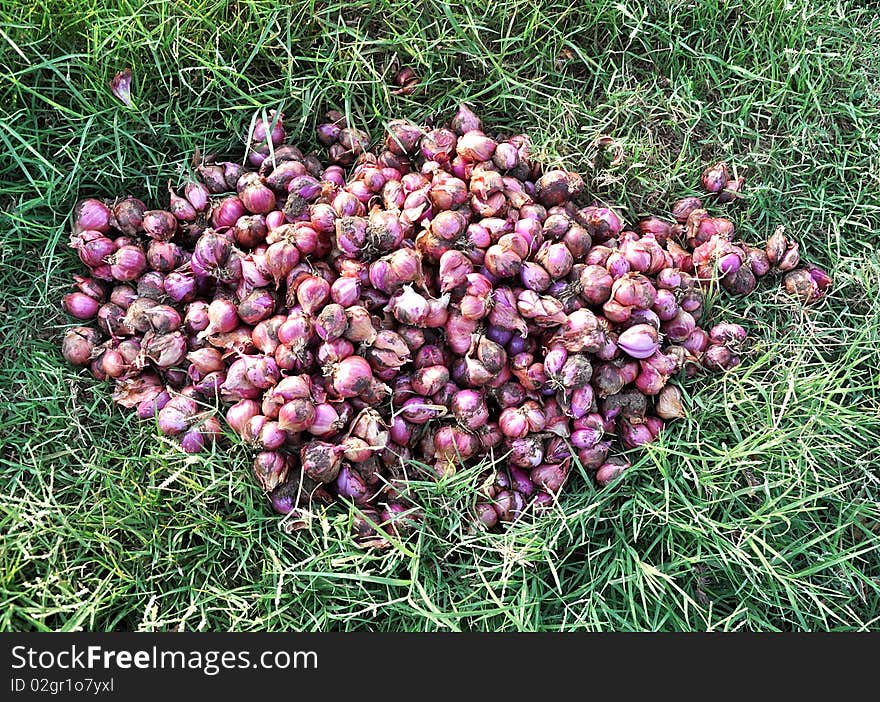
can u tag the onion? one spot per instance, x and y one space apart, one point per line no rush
271 469
607 472
351 376
639 341
715 177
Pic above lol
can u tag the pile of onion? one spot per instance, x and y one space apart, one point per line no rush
428 302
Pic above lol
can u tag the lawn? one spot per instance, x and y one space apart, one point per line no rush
759 511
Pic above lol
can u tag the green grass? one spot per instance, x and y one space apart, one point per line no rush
760 511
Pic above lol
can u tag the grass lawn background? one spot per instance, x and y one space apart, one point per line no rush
760 511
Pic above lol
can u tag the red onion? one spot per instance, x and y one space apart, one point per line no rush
454 444
78 346
312 293
534 277
92 214
260 371
635 290
163 318
179 286
697 341
409 307
717 358
222 316
555 187
639 341
197 317
161 225
682 209
271 469
800 284
549 476
350 484
727 333
297 415
128 216
465 120
94 250
164 255
80 305
602 223
715 177
429 380
331 352
271 436
555 258
469 409
281 258
147 408
127 263
473 146
427 355
821 278
91 287
419 410
546 311
509 504
227 212
270 128
513 423
438 145
177 414
123 296
596 284
165 350
151 285
486 515
345 291
669 403
758 261
351 376
634 434
213 178
454 268
359 325
321 461
326 421
403 137
709 227
180 207
113 320
256 306
665 305
740 282
678 328
607 472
